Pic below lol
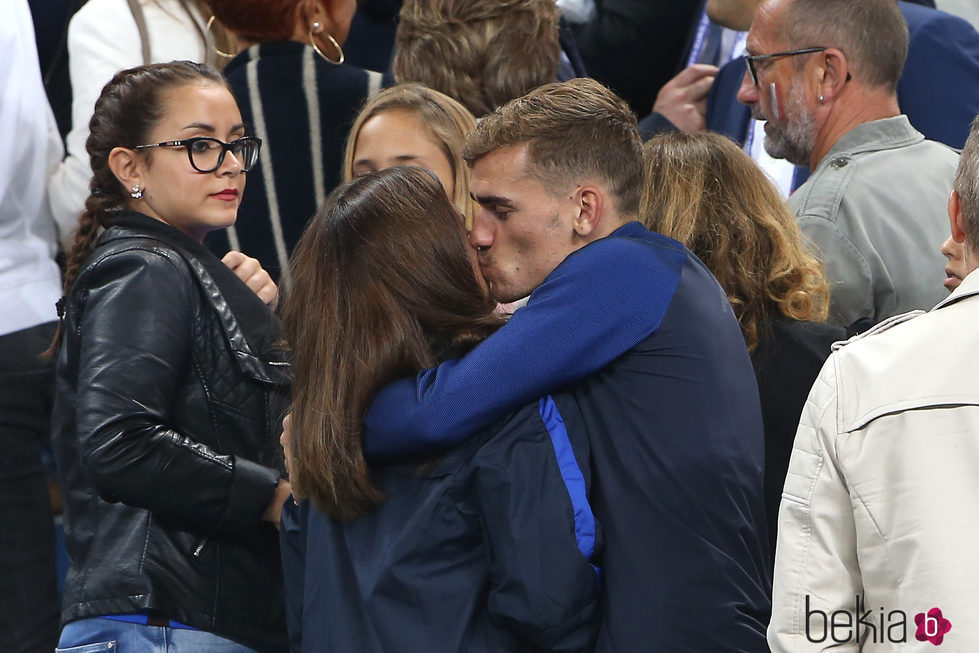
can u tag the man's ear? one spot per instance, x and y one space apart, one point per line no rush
955 219
126 166
590 204
832 73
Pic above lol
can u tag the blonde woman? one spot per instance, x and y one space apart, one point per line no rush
411 124
704 191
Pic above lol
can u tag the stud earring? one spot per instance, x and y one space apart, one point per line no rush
820 98
137 192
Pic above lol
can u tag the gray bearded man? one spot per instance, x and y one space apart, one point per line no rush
874 205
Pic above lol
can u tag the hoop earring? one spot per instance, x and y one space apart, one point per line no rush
333 41
207 30
137 192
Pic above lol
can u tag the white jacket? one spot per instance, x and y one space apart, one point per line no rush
881 500
30 281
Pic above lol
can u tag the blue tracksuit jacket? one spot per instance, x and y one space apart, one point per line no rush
645 338
485 551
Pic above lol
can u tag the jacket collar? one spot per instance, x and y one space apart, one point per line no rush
968 288
287 49
876 135
252 329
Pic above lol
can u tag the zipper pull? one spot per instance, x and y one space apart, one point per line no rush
200 547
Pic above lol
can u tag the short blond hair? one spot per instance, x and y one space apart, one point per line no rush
482 53
573 129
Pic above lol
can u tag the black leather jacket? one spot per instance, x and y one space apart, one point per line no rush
169 395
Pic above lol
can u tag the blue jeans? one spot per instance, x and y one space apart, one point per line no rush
96 635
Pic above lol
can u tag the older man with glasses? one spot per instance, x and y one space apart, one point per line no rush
938 90
874 206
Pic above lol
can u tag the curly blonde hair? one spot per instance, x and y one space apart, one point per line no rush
704 191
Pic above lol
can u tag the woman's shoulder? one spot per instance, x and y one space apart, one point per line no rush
123 254
138 246
124 243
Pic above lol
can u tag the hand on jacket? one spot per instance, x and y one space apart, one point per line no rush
274 512
250 271
683 99
286 439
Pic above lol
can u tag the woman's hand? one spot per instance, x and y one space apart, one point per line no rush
287 438
250 271
274 512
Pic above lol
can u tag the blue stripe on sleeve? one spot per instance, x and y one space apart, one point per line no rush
584 520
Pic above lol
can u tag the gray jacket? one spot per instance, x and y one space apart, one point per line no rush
874 209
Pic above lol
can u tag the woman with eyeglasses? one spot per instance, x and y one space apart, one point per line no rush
169 385
104 37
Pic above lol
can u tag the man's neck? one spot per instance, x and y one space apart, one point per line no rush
610 224
847 114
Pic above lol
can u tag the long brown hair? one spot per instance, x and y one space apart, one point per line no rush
704 191
383 278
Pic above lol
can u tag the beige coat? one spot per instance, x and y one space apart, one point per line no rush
881 500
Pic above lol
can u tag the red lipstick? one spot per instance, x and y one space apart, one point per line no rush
228 194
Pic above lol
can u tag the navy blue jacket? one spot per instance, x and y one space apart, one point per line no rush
938 91
485 551
642 333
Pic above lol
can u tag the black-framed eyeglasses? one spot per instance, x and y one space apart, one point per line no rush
751 60
206 154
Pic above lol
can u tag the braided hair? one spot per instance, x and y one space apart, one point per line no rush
130 105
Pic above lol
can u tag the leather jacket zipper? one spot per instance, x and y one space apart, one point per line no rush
200 547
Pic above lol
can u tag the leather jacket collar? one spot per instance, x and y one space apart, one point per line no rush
251 328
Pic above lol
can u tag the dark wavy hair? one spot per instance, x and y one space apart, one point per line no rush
383 282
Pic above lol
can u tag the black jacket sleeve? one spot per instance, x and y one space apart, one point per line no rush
134 353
